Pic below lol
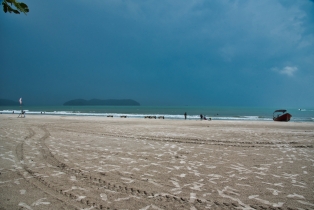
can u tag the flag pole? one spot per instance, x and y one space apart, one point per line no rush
21 106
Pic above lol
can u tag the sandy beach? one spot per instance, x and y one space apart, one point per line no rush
63 162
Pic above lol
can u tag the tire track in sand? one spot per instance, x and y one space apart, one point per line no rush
31 177
95 183
197 141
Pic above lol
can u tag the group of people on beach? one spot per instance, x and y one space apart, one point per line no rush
203 117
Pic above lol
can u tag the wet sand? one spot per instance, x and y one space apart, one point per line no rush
63 162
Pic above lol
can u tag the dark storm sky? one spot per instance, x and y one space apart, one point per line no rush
198 52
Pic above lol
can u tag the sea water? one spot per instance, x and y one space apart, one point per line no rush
169 112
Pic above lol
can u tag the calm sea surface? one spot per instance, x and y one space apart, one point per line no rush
169 112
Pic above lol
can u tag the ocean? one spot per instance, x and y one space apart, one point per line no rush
169 112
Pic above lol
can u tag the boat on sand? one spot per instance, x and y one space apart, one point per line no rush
281 115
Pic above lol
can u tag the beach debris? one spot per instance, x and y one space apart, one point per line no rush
150 117
154 117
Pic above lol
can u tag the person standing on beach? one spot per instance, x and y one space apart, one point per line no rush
201 116
22 114
185 115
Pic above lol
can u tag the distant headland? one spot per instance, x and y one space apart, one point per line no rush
98 102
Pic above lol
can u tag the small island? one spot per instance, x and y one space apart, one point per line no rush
99 102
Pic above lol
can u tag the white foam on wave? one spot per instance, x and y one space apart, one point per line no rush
11 111
166 116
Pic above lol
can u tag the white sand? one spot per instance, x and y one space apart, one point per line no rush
55 162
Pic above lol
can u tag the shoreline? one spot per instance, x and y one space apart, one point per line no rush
75 162
173 112
164 117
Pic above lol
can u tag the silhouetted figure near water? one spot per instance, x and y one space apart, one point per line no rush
185 115
201 116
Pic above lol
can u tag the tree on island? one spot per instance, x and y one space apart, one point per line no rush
19 7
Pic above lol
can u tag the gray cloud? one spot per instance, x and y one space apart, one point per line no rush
288 70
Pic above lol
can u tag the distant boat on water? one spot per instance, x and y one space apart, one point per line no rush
281 115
